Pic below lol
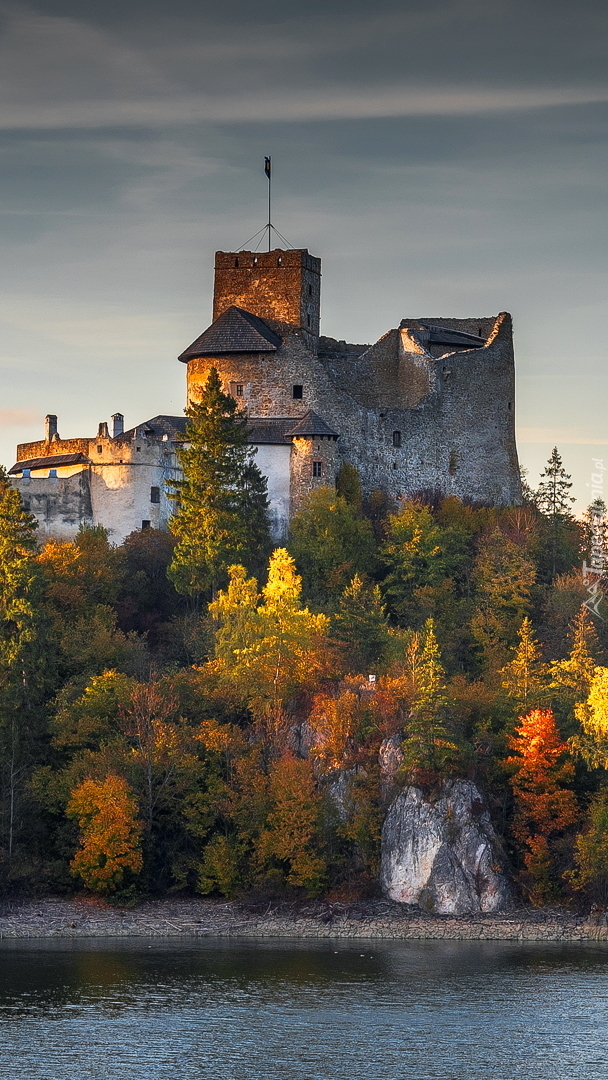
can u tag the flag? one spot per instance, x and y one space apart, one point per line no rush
267 166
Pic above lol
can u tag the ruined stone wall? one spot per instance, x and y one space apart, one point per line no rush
61 505
408 421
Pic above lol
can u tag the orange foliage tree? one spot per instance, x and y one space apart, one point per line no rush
544 806
111 833
289 842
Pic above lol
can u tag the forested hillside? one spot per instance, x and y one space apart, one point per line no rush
195 711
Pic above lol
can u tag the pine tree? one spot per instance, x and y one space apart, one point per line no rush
571 677
553 500
23 662
524 677
427 747
221 501
360 626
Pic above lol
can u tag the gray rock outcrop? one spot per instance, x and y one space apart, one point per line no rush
443 854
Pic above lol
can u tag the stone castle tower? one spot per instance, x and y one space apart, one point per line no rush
428 410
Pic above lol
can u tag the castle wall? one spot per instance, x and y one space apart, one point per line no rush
61 505
274 462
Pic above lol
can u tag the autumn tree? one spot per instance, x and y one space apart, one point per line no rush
110 846
503 578
541 770
330 543
592 714
290 840
267 651
590 875
524 677
221 505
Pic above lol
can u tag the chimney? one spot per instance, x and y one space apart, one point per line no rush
50 426
102 431
118 424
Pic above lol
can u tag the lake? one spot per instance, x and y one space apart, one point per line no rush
156 1010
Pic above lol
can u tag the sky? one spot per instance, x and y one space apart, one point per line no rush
443 158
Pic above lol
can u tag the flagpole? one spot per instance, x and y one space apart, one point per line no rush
269 204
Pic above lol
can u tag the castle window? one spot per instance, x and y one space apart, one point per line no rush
255 260
155 494
26 505
509 406
297 392
396 438
100 449
26 474
279 261
236 389
236 262
145 524
317 468
310 290
138 448
52 474
453 463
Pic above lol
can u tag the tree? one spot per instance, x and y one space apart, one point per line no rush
360 626
591 853
221 501
592 714
544 805
572 676
427 747
503 579
24 661
290 838
268 651
110 846
524 677
331 543
348 486
554 502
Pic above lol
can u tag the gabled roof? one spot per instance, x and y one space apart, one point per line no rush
172 426
269 430
311 424
235 331
55 461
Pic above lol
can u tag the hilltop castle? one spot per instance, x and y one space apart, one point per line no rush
428 409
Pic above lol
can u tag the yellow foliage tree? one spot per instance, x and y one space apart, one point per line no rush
334 721
524 677
110 845
270 650
288 841
592 714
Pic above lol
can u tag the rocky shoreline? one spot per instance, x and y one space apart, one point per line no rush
82 918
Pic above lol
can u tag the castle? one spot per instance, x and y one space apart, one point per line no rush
428 409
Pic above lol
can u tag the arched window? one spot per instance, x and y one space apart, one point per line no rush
396 438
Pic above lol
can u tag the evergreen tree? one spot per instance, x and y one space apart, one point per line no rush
524 677
360 626
330 543
427 747
504 577
555 503
221 501
23 660
348 486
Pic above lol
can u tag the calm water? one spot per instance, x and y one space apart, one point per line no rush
226 1011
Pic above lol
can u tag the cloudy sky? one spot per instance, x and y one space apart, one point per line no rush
443 157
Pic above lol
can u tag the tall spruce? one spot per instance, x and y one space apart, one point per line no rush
555 503
221 514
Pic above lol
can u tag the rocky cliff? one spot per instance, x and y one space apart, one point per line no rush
441 852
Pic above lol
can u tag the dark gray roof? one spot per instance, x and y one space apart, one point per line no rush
266 430
235 331
53 462
444 335
172 426
311 424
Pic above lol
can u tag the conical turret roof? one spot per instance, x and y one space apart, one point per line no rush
235 331
311 425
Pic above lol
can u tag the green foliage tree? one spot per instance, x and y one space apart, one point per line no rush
590 875
221 513
360 626
503 577
555 503
428 749
525 676
331 543
348 486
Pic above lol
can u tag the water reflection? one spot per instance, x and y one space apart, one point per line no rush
419 1010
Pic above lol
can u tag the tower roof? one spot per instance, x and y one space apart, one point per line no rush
311 424
235 331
